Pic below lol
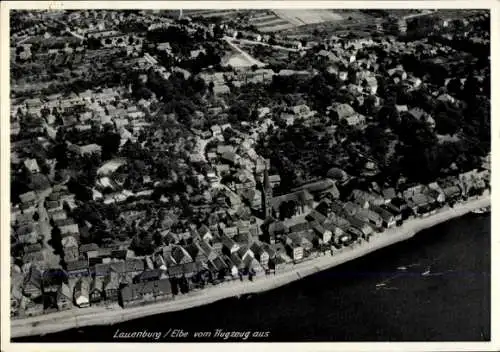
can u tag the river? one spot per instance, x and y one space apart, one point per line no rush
434 287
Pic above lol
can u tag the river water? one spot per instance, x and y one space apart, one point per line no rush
434 287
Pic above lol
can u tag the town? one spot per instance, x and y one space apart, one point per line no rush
159 153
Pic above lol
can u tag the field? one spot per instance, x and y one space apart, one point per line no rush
280 20
210 13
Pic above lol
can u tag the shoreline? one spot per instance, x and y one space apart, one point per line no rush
75 318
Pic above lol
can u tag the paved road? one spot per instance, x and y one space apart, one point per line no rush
253 42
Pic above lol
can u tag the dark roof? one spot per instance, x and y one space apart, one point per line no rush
134 265
149 274
88 247
299 197
398 202
227 242
205 247
77 265
316 216
318 186
269 249
194 249
389 193
178 253
385 214
138 290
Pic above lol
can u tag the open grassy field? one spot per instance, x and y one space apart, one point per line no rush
301 17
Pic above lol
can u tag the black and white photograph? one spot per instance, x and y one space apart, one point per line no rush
242 175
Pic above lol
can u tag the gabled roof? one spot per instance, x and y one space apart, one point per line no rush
34 277
179 253
132 264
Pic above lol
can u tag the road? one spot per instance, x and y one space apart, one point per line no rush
425 13
247 56
76 35
278 47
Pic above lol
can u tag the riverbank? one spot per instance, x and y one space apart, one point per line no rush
99 316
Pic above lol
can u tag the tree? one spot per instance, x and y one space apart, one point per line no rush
110 143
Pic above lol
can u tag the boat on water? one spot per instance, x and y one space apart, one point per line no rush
484 210
402 268
380 285
427 272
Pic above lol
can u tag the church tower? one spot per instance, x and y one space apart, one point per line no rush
267 192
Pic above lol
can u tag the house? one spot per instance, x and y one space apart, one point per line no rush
27 234
229 246
78 268
363 198
324 234
230 231
205 233
67 226
298 202
216 130
318 188
244 251
452 192
70 249
341 111
180 255
81 293
96 289
388 194
208 251
371 217
260 254
358 224
28 198
58 215
191 269
31 166
150 291
434 191
196 252
111 286
32 285
148 275
85 149
88 247
301 239
397 205
64 297
388 219
294 251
